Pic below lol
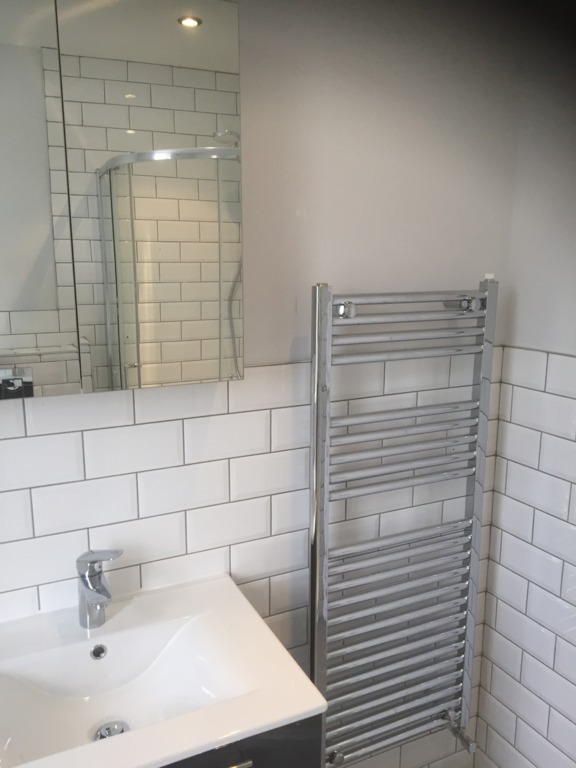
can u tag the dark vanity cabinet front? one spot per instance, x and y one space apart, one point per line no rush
298 745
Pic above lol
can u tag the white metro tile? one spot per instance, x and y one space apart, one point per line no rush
512 516
290 627
30 461
497 715
555 536
569 584
401 520
540 751
271 386
179 570
507 586
254 476
71 413
131 449
549 686
361 380
525 632
225 524
354 531
502 652
388 501
38 561
416 375
422 751
561 378
258 595
505 404
220 437
531 562
11 419
290 428
565 660
541 410
538 489
289 591
562 732
519 444
269 557
71 506
164 403
524 367
558 457
152 538
290 511
503 753
551 612
181 488
519 700
15 516
18 604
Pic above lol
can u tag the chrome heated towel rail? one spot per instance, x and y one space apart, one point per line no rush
392 619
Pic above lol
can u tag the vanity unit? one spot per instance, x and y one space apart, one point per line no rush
188 676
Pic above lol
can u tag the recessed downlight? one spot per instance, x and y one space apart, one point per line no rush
189 21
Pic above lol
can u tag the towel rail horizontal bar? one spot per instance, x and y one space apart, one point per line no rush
397 588
454 652
392 485
392 432
366 629
373 417
432 671
376 747
450 635
436 444
414 297
376 642
418 716
445 687
378 470
409 317
384 576
387 555
408 537
411 354
346 339
375 610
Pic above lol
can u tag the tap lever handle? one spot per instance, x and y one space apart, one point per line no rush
90 562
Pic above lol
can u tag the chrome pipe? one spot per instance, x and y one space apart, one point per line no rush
410 354
392 336
408 317
404 413
390 432
392 468
437 531
398 450
392 485
406 298
396 588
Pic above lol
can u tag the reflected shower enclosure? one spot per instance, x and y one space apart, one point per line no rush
171 233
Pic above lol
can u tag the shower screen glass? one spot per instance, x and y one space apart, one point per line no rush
171 235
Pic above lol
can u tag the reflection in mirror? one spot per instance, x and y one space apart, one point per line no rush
38 331
156 223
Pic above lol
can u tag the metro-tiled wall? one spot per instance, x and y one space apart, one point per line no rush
527 708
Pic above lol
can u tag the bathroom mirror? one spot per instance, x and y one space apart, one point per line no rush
122 258
38 330
152 143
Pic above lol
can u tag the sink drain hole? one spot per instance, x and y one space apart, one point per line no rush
111 729
98 652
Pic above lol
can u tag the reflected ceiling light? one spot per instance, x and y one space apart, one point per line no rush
130 131
129 95
189 21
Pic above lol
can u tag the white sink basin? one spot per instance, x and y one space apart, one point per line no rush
186 669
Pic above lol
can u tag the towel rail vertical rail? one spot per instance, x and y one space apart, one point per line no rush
477 311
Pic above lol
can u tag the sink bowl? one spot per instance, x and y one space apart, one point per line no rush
184 669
